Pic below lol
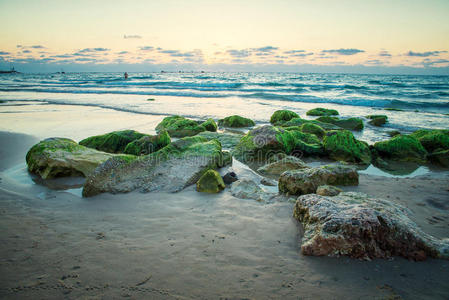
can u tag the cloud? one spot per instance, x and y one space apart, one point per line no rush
90 50
374 62
430 62
146 48
177 53
350 51
132 36
301 54
238 53
19 46
294 51
4 53
122 52
424 54
37 47
63 56
265 49
384 53
26 51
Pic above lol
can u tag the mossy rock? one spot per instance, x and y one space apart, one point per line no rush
210 182
281 116
433 140
393 133
179 127
305 143
319 111
393 109
263 142
227 140
61 157
343 146
402 148
210 125
313 129
300 122
440 158
148 144
377 120
236 122
349 124
113 142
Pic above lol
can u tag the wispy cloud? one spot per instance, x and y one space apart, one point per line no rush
146 48
384 53
132 36
424 54
122 52
93 50
4 53
37 47
26 51
350 51
238 53
294 51
265 49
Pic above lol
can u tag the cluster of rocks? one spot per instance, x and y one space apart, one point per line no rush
186 152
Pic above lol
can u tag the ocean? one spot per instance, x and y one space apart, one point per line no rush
410 102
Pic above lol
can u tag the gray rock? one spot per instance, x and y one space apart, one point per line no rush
306 181
248 189
359 226
280 166
328 190
268 182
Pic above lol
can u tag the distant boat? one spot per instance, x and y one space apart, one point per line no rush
12 71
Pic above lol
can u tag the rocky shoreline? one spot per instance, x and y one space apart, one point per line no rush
186 152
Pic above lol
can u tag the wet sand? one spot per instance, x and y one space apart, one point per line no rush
188 245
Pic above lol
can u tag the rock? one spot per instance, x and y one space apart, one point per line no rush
305 143
230 177
319 111
280 166
236 122
268 182
58 157
393 133
248 189
433 140
281 116
179 127
227 140
113 142
170 169
440 158
313 129
306 181
299 122
341 145
349 124
148 144
276 157
402 148
356 225
263 142
210 182
328 190
227 159
377 120
210 125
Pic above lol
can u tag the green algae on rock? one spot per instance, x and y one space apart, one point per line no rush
402 148
171 169
319 111
236 122
306 181
210 125
281 116
299 122
113 142
305 143
58 157
360 226
179 127
227 140
440 158
313 129
210 182
349 124
148 144
432 140
280 166
377 120
342 145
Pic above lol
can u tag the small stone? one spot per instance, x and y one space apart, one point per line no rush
210 182
230 177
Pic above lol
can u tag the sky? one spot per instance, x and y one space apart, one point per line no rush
284 35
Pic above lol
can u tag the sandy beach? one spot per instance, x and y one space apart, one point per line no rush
186 245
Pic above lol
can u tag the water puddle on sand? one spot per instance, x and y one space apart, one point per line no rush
372 170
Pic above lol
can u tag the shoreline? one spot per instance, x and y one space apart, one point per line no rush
190 245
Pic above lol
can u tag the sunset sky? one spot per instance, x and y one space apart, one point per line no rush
282 35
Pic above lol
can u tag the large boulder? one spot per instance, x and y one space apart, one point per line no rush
227 140
377 120
148 144
328 190
280 166
342 145
306 181
210 125
248 189
305 143
171 169
319 111
263 142
433 140
179 127
210 182
58 157
360 226
402 148
440 158
113 142
299 122
281 116
349 124
313 129
236 122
